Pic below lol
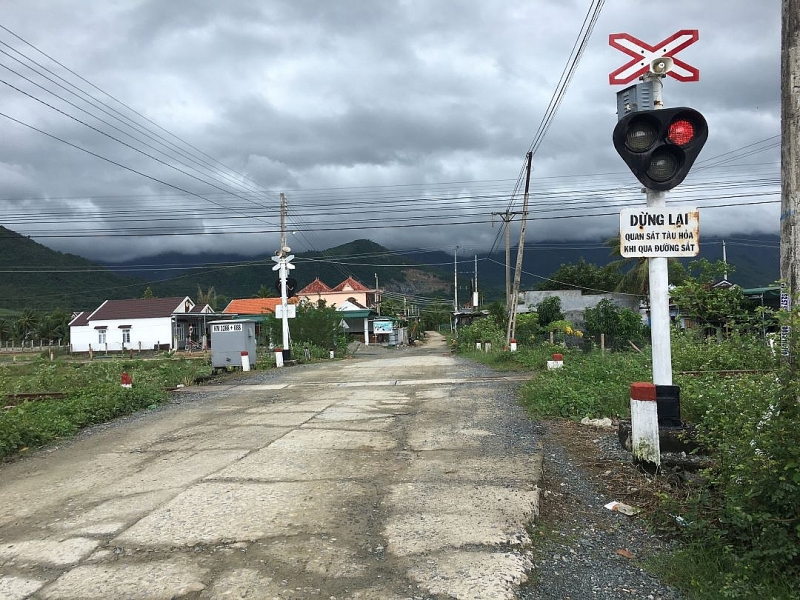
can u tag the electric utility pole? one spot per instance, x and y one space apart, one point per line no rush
790 150
512 308
283 267
455 280
507 218
475 286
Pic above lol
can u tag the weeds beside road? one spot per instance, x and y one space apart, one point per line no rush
739 524
93 394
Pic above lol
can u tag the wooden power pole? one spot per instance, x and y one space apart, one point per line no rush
790 146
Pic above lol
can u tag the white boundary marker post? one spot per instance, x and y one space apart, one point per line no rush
556 363
644 424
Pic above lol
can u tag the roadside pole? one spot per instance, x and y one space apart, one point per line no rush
512 307
790 163
284 303
283 267
659 146
658 273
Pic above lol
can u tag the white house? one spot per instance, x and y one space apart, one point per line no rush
141 324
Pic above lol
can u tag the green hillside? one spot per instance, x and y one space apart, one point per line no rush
36 277
361 259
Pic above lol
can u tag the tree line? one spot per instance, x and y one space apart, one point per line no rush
34 326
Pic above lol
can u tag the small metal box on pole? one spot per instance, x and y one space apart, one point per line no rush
229 339
635 98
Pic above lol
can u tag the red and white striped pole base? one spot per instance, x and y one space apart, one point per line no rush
557 362
644 424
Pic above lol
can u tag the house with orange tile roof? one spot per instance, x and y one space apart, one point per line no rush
254 306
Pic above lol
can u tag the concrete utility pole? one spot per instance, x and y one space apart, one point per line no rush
283 225
790 146
507 218
475 285
512 308
455 280
284 250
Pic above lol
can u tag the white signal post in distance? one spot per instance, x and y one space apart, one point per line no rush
283 267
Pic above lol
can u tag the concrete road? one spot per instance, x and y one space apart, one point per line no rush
401 473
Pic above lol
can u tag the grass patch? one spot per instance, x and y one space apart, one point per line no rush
94 395
743 511
34 424
711 571
588 385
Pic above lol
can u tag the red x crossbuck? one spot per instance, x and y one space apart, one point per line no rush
643 54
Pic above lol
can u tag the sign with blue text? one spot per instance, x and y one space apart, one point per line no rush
655 232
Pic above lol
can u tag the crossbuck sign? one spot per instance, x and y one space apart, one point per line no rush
643 54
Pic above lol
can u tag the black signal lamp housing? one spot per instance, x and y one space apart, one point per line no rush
660 146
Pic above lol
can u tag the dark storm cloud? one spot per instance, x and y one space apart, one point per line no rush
302 94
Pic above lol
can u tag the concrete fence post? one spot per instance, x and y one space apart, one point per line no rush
644 424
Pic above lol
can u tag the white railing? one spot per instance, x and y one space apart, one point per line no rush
8 346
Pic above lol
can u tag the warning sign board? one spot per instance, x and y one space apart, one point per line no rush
659 232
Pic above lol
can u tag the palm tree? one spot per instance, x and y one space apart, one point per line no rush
636 270
26 325
6 330
54 326
208 297
263 292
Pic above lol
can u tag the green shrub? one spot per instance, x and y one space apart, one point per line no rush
588 385
619 325
480 331
94 395
754 507
33 424
693 351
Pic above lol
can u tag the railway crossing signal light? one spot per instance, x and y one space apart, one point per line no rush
291 286
660 146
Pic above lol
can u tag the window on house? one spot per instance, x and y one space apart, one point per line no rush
101 336
126 336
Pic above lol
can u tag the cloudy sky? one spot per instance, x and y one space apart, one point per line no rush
135 127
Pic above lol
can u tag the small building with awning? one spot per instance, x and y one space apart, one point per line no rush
356 319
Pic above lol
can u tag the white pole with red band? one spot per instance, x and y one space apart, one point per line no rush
644 424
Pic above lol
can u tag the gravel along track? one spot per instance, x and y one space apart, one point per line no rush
581 549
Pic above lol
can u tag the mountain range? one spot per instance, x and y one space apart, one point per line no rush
34 276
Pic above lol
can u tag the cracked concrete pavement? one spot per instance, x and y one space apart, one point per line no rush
400 473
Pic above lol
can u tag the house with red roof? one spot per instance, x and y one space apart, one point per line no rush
141 324
349 290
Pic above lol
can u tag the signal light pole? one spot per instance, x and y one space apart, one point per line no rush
659 146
